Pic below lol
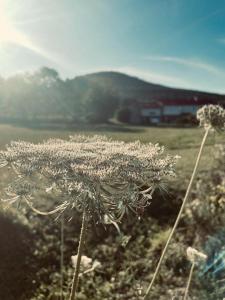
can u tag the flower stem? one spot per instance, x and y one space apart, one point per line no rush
179 214
79 255
189 281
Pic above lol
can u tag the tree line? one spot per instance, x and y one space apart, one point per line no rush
43 95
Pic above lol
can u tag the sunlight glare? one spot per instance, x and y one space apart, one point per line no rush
9 34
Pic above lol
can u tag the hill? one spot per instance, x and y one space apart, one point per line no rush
43 96
127 86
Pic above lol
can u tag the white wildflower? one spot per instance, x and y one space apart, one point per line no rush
87 264
102 176
212 116
195 256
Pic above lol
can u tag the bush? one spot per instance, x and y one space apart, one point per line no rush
186 119
17 264
123 115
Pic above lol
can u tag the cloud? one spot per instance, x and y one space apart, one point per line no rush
191 63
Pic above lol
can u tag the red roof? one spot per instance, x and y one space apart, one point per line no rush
194 101
152 105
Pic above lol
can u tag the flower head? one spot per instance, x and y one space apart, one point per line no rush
92 173
212 116
194 256
87 264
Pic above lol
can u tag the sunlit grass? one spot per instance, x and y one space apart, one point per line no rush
181 141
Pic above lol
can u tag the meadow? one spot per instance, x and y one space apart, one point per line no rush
31 244
180 141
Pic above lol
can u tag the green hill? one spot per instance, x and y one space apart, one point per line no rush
127 86
44 96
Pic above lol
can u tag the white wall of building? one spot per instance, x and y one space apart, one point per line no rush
151 112
176 110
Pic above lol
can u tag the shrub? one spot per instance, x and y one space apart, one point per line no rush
123 115
186 119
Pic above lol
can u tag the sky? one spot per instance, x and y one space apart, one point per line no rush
178 43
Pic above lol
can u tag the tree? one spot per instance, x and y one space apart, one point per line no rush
44 96
100 105
123 115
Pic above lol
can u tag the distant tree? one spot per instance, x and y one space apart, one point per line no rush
48 72
123 115
43 95
100 105
186 119
73 98
2 84
30 95
15 98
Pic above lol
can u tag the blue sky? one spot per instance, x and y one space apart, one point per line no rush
173 42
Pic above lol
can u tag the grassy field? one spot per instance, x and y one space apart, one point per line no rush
182 141
21 236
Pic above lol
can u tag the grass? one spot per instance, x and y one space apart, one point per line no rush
181 141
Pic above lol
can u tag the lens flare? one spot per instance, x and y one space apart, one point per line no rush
9 34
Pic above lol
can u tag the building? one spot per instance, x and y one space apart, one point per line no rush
170 110
152 112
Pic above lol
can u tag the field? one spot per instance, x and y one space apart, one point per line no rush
32 261
180 141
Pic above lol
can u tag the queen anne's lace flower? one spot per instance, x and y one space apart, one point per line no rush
92 173
194 256
212 116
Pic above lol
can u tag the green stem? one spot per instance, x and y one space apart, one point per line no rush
189 281
79 255
179 214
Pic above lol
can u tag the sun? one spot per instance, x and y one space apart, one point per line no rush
13 35
7 32
10 34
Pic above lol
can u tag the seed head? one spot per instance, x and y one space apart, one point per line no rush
212 116
194 256
102 176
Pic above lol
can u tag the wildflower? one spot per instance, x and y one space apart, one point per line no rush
195 256
212 116
86 262
95 174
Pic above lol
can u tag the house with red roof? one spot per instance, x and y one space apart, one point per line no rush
170 110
